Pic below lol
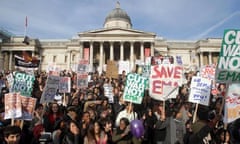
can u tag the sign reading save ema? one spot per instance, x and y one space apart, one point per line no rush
228 69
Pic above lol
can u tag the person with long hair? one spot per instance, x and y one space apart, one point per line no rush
72 133
95 134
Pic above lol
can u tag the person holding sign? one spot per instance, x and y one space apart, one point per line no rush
128 113
203 127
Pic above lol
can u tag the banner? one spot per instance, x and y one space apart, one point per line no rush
232 103
13 108
228 68
134 89
64 85
200 90
164 75
50 89
23 65
86 53
23 83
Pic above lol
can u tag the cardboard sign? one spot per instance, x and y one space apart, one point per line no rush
112 70
228 68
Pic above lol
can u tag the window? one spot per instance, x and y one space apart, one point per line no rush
65 59
73 57
54 58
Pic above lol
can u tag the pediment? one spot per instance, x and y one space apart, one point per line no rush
116 31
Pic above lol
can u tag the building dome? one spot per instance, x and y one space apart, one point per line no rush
117 18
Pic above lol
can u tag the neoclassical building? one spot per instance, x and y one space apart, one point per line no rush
117 41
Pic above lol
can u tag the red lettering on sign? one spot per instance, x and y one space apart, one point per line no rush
157 87
167 72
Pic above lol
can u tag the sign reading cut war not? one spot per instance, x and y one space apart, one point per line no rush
164 75
228 69
134 90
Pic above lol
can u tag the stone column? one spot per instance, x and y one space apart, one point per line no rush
81 50
101 58
1 61
210 58
201 58
121 51
10 60
142 51
69 60
111 51
91 56
131 55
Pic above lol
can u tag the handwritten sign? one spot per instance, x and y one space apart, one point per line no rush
164 75
200 90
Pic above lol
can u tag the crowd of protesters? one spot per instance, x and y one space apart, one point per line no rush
87 117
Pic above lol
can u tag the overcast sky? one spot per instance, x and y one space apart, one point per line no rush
170 19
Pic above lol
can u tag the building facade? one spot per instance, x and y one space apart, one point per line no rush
117 41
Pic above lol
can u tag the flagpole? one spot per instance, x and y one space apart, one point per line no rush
26 23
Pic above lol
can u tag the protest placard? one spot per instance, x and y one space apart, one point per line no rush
232 103
50 89
123 66
200 90
83 66
28 106
228 68
134 89
64 85
164 75
82 80
23 83
108 92
112 69
13 106
208 71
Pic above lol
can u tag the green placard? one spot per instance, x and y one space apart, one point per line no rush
134 89
228 68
